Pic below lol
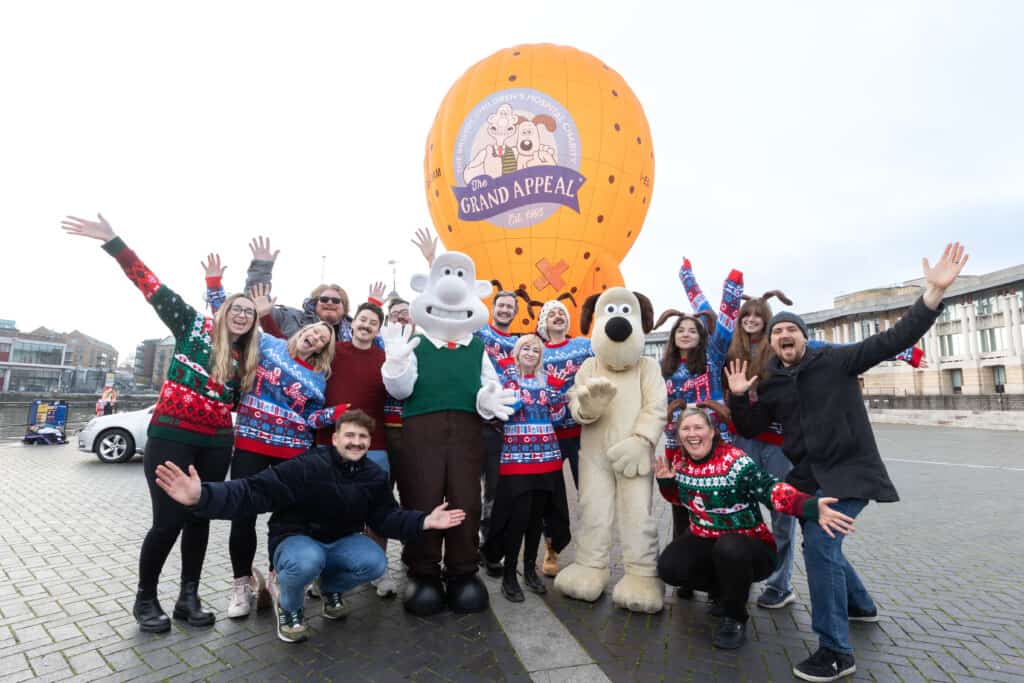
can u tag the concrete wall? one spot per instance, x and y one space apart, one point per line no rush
1002 420
81 408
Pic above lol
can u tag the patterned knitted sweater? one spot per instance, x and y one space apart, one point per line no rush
707 386
563 360
722 493
281 414
192 408
498 344
530 445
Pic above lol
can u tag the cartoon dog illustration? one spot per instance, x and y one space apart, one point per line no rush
530 151
500 157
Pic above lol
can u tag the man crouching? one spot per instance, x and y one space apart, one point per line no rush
321 502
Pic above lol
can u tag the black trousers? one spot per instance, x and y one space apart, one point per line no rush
242 541
170 518
525 519
726 565
493 436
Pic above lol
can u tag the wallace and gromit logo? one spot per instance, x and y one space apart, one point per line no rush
518 155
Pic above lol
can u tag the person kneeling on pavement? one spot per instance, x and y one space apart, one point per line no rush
728 546
321 502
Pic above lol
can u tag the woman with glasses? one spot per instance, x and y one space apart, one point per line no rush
214 363
277 420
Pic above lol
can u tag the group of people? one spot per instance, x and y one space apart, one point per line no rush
757 414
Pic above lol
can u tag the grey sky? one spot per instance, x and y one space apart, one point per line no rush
819 147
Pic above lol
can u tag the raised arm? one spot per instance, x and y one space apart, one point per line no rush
693 291
261 268
214 272
728 311
172 309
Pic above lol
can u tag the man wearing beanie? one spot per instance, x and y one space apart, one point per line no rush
814 393
562 355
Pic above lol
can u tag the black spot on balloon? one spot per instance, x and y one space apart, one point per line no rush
516 53
614 94
600 218
522 286
437 193
611 179
638 139
632 189
586 255
449 228
629 234
519 250
617 128
572 290
511 77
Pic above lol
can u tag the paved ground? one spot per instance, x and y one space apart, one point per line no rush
946 567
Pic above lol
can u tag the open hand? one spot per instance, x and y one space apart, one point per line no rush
661 468
426 244
97 230
378 290
398 343
260 248
212 266
736 374
260 295
831 520
443 518
183 488
947 268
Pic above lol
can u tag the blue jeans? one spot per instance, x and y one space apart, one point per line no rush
833 583
341 566
771 459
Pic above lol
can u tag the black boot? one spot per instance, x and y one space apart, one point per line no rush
530 578
148 613
188 608
510 584
466 594
424 596
730 634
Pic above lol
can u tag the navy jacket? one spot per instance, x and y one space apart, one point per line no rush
818 402
317 494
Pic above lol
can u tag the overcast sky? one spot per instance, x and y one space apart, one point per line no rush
820 147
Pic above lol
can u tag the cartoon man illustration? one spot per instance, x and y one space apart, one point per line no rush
500 157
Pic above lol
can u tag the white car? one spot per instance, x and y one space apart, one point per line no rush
117 437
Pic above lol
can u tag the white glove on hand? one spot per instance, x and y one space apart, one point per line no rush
631 457
493 401
398 347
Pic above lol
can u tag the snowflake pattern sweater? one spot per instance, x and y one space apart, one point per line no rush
192 408
530 445
498 344
281 414
707 386
723 491
563 360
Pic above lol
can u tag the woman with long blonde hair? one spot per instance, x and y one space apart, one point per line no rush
213 364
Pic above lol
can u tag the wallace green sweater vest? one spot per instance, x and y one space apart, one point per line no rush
447 379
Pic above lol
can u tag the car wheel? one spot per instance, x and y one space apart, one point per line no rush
114 445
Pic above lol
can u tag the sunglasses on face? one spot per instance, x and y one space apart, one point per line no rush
330 300
242 311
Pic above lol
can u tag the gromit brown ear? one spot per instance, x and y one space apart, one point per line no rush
669 313
546 121
777 294
709 318
646 312
587 313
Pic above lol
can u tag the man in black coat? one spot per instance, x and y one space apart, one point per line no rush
815 394
321 500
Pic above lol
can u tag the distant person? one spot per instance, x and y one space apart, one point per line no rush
321 502
213 365
815 395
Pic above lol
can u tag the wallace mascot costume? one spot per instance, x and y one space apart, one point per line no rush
448 385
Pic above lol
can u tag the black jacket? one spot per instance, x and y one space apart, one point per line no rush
316 494
818 402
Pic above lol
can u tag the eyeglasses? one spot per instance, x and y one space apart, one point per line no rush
330 299
242 311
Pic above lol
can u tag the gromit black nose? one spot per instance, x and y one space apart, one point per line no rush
618 329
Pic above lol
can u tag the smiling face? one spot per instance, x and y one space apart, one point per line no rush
365 326
398 314
557 322
687 335
449 306
504 311
528 358
330 306
312 339
240 315
788 342
351 440
696 436
753 324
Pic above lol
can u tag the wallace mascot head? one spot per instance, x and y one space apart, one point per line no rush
449 305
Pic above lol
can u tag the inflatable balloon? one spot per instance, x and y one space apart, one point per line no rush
540 166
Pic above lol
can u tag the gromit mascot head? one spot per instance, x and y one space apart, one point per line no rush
449 305
621 319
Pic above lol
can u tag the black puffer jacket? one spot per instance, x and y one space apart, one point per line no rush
317 494
819 404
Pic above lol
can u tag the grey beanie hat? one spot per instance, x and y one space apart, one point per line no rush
788 317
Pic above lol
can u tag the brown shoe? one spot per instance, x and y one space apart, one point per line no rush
550 565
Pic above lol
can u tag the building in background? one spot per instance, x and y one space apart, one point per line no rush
47 361
145 354
162 353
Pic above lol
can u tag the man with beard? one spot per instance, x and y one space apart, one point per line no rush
814 393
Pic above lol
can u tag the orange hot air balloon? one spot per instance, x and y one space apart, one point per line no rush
540 166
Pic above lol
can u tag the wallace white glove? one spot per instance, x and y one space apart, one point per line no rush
398 347
493 401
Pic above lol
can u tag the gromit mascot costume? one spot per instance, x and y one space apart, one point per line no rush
447 384
619 398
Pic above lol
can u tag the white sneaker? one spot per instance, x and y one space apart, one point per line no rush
386 586
241 597
313 589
